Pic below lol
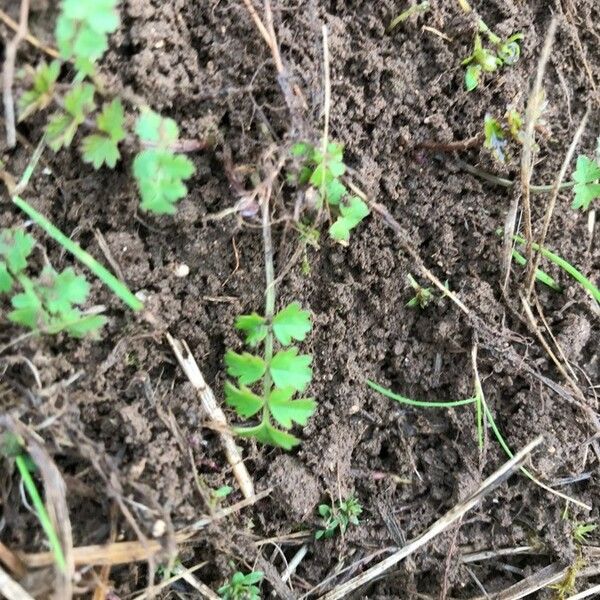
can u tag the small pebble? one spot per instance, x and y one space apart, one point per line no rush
159 528
181 270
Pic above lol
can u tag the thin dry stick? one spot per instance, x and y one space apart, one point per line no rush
119 553
586 593
30 38
533 265
327 88
181 573
190 367
437 528
10 589
534 106
200 587
8 75
493 554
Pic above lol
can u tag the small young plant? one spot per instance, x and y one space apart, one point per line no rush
581 532
488 60
242 587
338 518
322 171
587 183
48 303
282 375
82 31
497 132
423 296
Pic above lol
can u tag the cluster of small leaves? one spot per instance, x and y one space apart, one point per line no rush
49 302
242 587
581 531
338 517
160 172
497 133
82 35
322 170
423 295
82 31
286 373
486 60
587 182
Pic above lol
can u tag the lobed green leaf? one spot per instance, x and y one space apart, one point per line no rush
290 370
246 367
243 400
291 323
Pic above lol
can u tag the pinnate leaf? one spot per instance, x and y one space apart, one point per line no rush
253 326
291 323
6 281
111 120
267 434
290 370
287 411
245 367
245 402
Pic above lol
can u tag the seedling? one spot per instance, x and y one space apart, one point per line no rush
242 587
415 9
82 32
587 182
498 132
49 302
423 296
322 171
581 531
338 518
282 375
12 447
488 60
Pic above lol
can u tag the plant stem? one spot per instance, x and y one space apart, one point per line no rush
115 285
269 298
418 403
42 514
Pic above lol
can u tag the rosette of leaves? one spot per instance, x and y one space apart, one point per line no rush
281 375
48 303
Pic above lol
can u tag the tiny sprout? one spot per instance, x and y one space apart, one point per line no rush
486 60
346 513
494 137
242 587
581 531
423 296
587 182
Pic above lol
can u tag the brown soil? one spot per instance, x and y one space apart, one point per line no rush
130 423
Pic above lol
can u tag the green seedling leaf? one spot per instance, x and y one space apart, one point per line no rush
160 175
27 311
82 29
81 326
100 150
79 102
152 128
245 367
40 95
287 411
60 291
241 587
494 138
15 247
301 149
6 281
472 76
267 434
291 323
222 492
245 402
352 213
253 326
60 131
335 190
587 188
112 121
290 370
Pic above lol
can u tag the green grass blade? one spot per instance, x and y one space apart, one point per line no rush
114 284
42 514
418 403
540 275
565 266
479 416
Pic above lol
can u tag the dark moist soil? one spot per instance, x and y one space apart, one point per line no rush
121 408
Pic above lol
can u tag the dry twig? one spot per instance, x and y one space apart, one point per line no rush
10 589
8 75
190 367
